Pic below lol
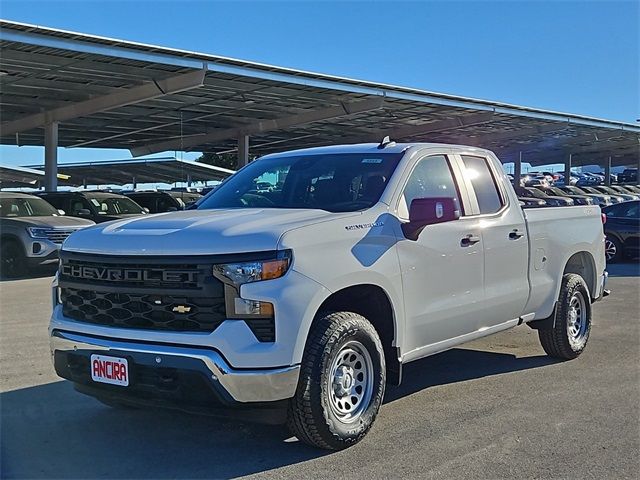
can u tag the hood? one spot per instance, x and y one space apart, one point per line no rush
196 232
109 218
51 221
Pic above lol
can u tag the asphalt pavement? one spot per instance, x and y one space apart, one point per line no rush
492 408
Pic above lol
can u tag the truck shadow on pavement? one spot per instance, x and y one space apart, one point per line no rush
52 431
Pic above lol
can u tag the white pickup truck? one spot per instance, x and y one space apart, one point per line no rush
307 297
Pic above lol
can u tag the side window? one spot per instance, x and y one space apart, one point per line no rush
430 178
477 170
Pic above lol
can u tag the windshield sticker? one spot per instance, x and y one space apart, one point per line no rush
361 226
371 160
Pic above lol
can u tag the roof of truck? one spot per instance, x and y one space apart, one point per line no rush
372 148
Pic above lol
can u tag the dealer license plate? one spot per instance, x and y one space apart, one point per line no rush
112 370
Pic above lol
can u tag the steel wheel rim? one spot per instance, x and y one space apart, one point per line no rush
610 249
577 319
351 382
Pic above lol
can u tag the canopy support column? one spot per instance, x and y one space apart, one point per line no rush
567 170
243 151
517 170
607 172
51 157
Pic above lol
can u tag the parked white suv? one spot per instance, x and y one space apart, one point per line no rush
308 298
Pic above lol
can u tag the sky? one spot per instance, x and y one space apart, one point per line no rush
577 57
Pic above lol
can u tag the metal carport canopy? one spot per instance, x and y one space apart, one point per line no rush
146 170
47 71
12 177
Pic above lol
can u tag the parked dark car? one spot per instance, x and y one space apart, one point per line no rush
622 230
31 232
164 201
632 189
97 206
615 197
552 201
629 175
532 202
577 199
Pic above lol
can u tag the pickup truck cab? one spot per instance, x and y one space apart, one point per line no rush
307 298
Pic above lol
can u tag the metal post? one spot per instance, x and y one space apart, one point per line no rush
567 170
607 172
243 150
51 157
188 180
84 183
517 170
134 182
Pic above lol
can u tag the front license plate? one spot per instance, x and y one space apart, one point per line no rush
112 370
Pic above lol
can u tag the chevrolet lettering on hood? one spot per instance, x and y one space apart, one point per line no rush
117 274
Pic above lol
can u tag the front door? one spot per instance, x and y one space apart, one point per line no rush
442 272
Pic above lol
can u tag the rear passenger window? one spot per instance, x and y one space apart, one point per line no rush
477 170
431 178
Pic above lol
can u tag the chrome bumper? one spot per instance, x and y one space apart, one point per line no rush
244 386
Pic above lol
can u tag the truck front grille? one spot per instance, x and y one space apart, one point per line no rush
144 311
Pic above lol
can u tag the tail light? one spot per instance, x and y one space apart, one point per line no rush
604 218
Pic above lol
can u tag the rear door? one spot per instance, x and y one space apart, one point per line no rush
504 240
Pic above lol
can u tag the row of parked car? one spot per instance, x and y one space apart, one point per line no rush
620 204
584 179
33 226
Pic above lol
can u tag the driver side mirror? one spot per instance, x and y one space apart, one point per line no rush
429 211
84 212
61 212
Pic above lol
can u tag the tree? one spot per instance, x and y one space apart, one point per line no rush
225 160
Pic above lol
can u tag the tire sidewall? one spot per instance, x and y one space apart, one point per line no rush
351 432
618 255
574 283
11 248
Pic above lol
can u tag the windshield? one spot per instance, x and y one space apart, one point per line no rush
336 183
26 207
115 205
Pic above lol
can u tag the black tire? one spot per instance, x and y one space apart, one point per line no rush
565 340
12 259
313 414
613 249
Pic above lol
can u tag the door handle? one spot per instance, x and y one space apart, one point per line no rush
469 240
515 234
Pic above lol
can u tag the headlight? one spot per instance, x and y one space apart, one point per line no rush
37 232
235 274
246 272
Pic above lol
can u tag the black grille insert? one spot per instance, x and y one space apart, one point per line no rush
154 312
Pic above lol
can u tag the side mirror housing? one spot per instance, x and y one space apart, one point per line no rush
84 212
145 209
61 212
429 211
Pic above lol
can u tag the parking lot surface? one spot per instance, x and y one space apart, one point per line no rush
493 408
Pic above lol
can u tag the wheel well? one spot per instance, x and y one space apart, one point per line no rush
371 302
582 264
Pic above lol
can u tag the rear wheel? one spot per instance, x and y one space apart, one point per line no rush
12 259
341 383
569 335
612 249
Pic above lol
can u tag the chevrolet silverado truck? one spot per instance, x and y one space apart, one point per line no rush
308 297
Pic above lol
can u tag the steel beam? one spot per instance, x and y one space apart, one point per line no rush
344 109
119 98
567 169
51 157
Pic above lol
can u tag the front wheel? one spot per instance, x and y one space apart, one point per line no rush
612 249
12 259
341 383
568 337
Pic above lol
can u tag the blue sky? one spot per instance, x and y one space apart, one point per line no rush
578 57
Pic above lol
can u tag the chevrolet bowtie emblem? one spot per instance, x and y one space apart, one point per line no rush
181 309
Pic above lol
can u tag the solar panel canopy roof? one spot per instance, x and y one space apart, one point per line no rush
117 94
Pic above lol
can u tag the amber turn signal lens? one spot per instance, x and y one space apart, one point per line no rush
274 268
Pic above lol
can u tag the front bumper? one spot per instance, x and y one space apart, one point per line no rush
168 371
